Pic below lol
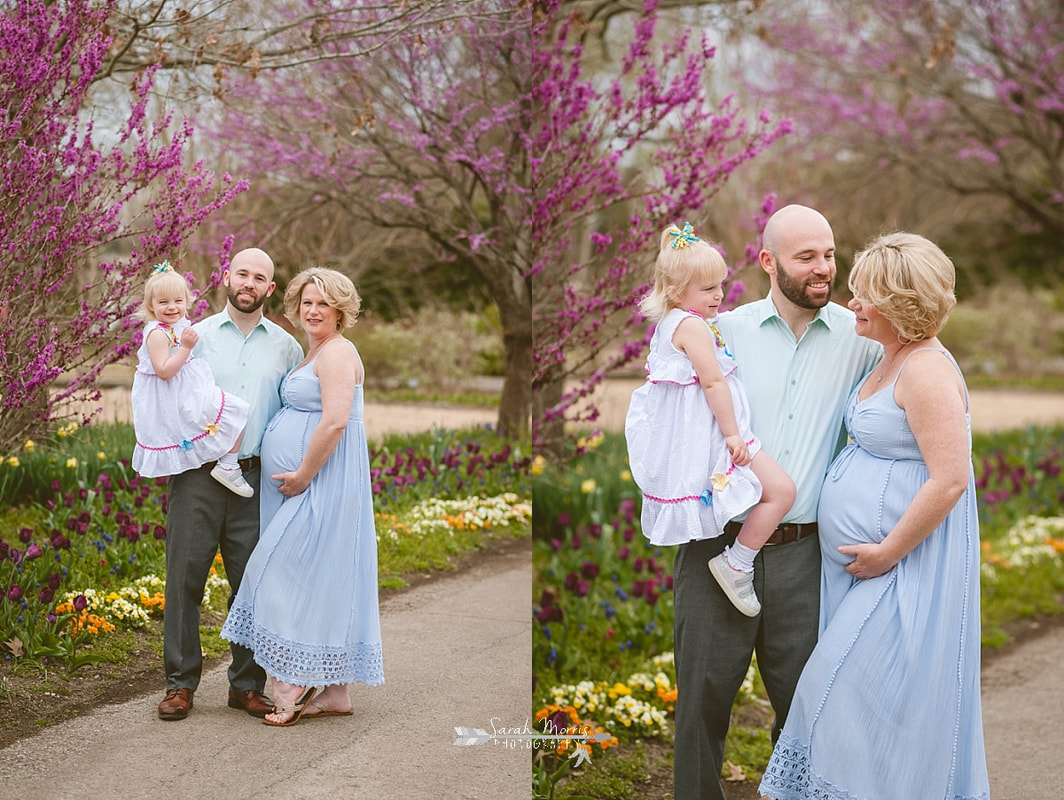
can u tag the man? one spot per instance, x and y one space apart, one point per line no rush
249 356
799 359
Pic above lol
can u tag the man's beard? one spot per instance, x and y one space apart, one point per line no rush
794 290
243 305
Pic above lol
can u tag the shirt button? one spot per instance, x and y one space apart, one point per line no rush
786 452
790 416
793 382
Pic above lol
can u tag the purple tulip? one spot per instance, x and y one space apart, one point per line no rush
160 532
80 603
589 570
557 724
46 595
33 551
14 594
25 534
54 580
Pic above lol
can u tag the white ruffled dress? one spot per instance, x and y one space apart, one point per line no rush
185 422
676 448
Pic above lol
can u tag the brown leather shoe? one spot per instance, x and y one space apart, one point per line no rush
176 704
255 703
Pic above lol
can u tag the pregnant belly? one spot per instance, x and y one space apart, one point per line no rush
863 498
285 440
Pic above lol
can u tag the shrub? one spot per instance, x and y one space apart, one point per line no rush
435 349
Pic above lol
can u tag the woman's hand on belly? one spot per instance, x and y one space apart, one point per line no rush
869 560
290 483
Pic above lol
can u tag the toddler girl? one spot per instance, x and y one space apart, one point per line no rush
181 418
690 446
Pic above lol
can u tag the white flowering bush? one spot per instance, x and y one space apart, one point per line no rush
1032 541
444 517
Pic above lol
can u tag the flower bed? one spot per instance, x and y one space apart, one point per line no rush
603 606
83 553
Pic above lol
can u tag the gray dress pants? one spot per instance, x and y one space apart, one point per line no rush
203 518
714 643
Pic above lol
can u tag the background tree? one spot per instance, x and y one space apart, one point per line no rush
617 159
82 213
964 98
424 135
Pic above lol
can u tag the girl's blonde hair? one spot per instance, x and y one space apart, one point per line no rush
168 282
337 289
682 259
908 280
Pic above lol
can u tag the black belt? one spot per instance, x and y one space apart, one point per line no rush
787 532
251 462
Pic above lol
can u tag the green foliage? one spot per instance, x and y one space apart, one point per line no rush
988 336
614 775
436 349
70 458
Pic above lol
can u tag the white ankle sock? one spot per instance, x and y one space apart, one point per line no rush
229 461
740 557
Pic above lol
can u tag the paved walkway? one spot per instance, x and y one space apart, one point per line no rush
1023 716
457 651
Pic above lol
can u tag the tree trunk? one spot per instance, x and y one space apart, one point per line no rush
515 408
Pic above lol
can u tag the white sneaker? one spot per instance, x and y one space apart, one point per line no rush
233 480
738 586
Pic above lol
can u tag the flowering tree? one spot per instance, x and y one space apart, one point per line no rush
83 214
425 134
617 159
965 94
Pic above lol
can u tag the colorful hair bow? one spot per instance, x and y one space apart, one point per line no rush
684 237
158 269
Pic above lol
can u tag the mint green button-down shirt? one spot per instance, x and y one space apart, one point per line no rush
798 388
252 368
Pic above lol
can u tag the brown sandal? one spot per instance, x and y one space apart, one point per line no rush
296 711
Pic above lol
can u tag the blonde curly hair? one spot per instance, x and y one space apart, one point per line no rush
908 280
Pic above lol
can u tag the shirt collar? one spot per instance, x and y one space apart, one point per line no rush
228 320
769 311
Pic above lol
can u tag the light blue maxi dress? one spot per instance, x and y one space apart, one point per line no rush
888 704
307 606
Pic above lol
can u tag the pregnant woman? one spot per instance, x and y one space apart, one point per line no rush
888 704
307 606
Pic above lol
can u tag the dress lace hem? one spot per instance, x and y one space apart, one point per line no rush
789 776
304 664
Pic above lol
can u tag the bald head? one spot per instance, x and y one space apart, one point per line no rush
790 220
253 257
